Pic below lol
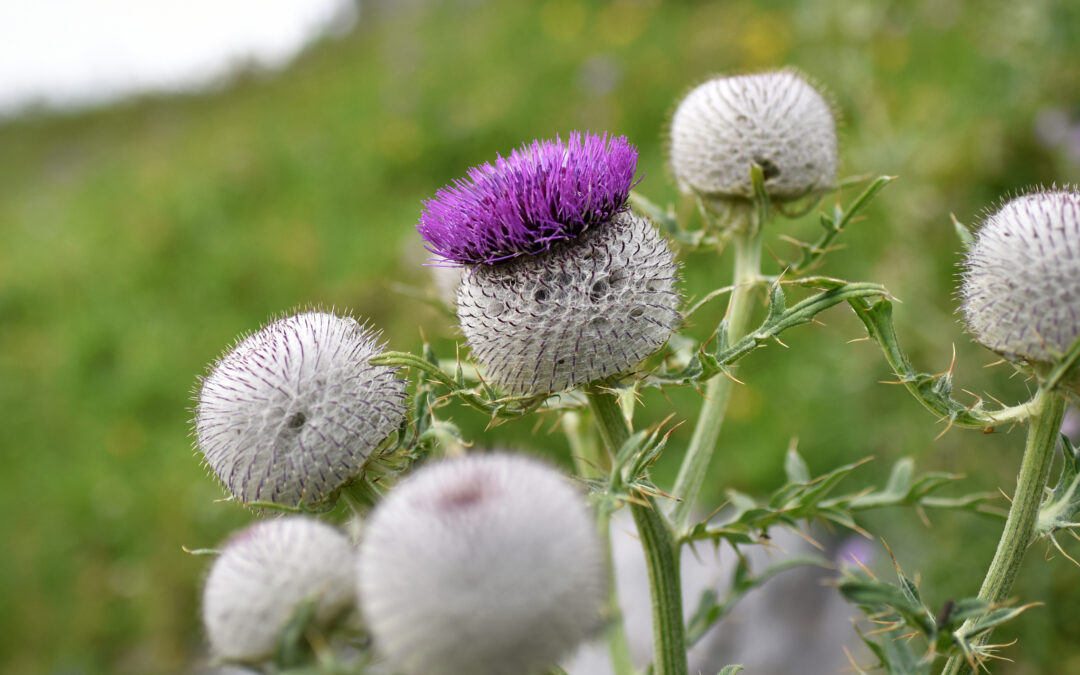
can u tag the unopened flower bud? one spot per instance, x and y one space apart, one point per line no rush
580 312
485 564
263 576
775 120
1021 282
294 411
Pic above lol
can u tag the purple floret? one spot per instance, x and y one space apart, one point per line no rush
540 194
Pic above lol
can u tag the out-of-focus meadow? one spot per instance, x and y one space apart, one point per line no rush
137 241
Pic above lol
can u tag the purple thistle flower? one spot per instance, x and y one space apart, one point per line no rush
542 193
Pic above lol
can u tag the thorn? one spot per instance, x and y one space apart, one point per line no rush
862 339
732 377
810 540
851 659
863 567
1007 497
1062 551
978 399
945 431
923 517
996 400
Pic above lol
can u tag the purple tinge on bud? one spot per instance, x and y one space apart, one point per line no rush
542 193
487 564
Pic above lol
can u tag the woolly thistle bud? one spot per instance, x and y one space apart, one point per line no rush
294 411
775 120
1021 282
581 311
540 194
262 577
485 564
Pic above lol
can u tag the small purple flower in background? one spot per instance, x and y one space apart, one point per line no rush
855 550
542 193
1070 426
1054 128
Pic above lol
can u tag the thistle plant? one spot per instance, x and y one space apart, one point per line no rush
565 285
569 306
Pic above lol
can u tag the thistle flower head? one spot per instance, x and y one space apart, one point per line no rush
485 564
294 411
581 311
542 193
1021 280
775 120
264 574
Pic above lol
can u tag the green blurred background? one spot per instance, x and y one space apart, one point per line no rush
137 241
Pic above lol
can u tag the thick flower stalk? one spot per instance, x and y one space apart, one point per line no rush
564 285
484 564
1021 285
265 574
1020 291
294 411
775 120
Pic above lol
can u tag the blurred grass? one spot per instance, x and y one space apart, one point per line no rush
138 241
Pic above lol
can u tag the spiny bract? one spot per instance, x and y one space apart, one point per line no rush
582 311
264 574
294 411
484 564
1021 281
775 120
541 194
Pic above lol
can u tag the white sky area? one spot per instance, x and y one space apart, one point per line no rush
81 53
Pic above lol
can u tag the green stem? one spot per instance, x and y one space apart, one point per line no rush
618 645
696 463
588 461
661 549
1045 422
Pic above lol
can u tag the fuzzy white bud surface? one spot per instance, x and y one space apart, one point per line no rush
295 410
485 564
775 120
1021 280
263 575
580 311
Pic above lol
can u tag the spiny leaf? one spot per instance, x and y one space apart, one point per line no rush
933 391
